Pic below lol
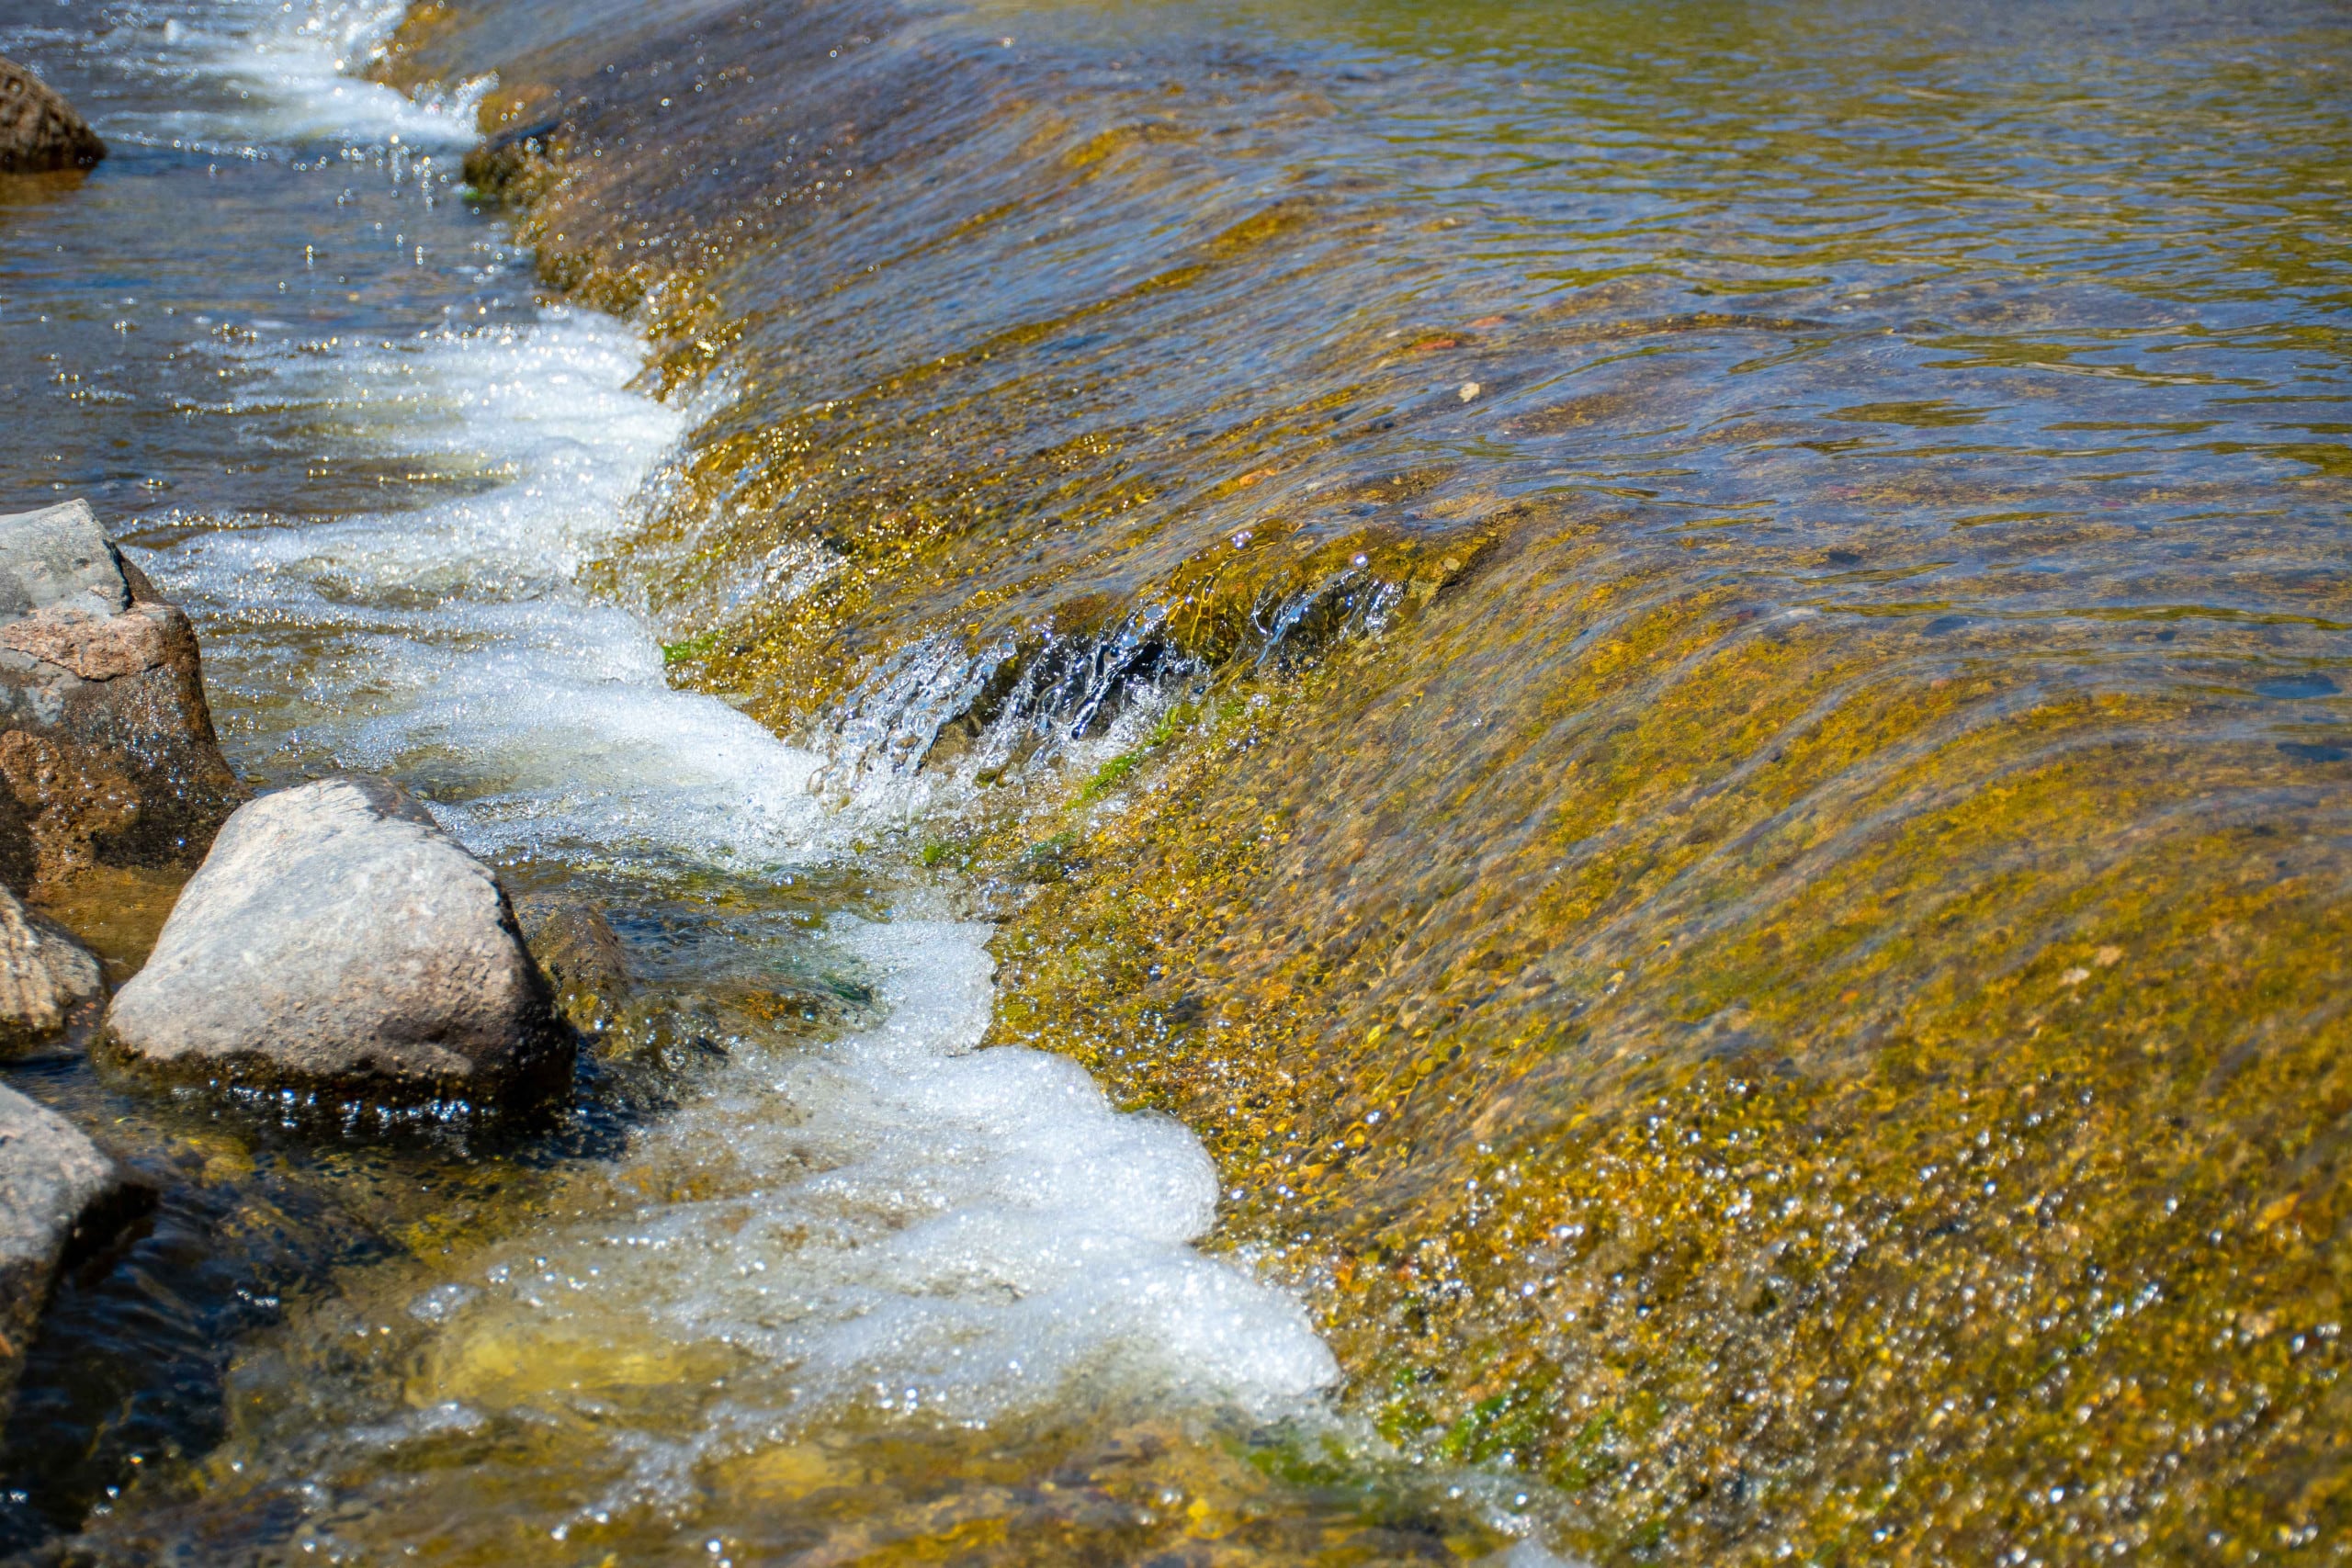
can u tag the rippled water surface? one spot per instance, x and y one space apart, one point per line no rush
1671 673
791 1224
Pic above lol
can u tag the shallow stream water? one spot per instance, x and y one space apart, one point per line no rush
805 1240
1659 686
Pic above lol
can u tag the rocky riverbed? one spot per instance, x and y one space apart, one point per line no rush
333 948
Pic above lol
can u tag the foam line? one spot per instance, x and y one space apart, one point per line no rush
901 1222
249 75
451 641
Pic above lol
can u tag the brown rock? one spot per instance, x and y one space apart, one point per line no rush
95 647
46 977
40 131
107 756
580 955
596 991
60 1197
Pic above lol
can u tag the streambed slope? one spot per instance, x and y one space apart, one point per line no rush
1743 862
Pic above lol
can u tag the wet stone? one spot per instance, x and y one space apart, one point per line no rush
61 1197
337 941
649 1031
581 955
38 129
107 756
46 977
516 163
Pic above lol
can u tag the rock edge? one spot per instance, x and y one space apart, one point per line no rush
337 942
108 755
38 129
61 1197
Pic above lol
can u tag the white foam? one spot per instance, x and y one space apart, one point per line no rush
904 1223
260 75
1529 1552
452 643
985 1227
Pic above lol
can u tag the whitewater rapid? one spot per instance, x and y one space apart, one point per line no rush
893 1218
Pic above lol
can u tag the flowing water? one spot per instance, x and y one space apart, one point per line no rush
1640 707
315 387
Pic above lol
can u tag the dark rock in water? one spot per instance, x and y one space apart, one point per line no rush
61 1197
106 750
45 975
515 165
337 941
582 958
649 1029
40 131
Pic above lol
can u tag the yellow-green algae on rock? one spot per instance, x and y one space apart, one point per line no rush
1778 960
1952 1172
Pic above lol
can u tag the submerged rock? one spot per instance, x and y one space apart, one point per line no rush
582 958
61 1196
516 164
337 940
646 1031
108 755
45 975
38 129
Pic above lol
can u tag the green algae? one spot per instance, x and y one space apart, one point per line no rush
688 650
1788 984
1969 1107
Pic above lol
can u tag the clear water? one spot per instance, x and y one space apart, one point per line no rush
275 349
1675 671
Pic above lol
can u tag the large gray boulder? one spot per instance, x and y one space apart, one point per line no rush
336 940
107 756
40 131
46 977
60 1197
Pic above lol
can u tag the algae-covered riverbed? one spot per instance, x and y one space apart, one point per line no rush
1389 780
